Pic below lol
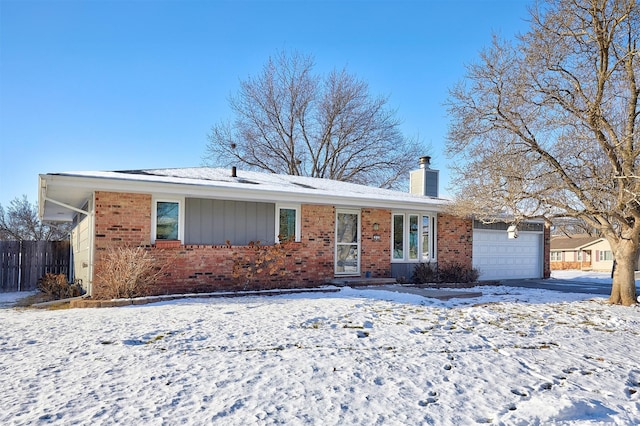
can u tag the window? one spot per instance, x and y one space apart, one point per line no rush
398 236
413 237
426 242
605 255
167 220
287 223
556 256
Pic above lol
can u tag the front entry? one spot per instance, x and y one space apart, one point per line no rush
347 256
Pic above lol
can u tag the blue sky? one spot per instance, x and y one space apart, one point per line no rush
112 85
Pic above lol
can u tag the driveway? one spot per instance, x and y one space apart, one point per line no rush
568 282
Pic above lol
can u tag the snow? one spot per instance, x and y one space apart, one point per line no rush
359 356
277 184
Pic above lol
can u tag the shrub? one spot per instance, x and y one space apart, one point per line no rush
456 273
57 286
444 273
424 273
260 263
127 272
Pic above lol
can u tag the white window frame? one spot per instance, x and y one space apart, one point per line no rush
433 238
602 256
556 256
298 225
154 216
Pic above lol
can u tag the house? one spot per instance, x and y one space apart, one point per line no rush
581 251
199 221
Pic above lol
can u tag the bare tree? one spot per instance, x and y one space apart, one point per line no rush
546 126
289 120
20 222
568 226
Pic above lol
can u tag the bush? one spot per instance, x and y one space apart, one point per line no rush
57 286
456 273
127 272
446 273
424 273
259 264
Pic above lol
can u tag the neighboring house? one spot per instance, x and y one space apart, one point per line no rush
203 219
582 252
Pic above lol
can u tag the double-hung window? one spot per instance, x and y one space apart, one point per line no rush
287 223
413 237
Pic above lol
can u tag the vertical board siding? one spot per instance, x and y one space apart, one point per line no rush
214 222
23 263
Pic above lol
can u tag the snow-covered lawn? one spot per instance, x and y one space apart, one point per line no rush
513 356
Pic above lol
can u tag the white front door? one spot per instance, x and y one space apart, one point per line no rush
347 256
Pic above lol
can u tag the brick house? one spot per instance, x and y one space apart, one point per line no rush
199 221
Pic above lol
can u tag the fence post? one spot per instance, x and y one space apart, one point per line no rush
20 267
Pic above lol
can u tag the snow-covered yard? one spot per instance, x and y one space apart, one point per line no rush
513 356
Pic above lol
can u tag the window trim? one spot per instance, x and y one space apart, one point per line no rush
154 217
298 224
603 254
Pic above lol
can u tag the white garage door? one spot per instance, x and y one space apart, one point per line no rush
498 257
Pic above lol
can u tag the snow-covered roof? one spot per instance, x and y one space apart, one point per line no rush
573 242
209 182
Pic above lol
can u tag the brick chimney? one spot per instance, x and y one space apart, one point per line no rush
424 181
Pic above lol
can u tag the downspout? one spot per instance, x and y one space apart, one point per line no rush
92 236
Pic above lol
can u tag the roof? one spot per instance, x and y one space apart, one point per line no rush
62 194
573 242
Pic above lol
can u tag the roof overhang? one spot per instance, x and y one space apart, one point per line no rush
60 200
62 196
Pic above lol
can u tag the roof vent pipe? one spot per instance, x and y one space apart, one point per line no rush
233 172
425 162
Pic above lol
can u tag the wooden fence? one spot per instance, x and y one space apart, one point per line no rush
22 263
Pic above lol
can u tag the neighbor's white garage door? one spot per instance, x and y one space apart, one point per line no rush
497 257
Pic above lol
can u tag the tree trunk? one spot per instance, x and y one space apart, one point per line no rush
623 289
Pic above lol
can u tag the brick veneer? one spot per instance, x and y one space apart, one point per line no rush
455 240
121 219
547 251
376 252
125 219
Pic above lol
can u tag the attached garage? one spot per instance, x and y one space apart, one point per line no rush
499 257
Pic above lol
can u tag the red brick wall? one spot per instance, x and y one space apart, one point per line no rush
455 240
121 219
126 219
547 252
375 256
